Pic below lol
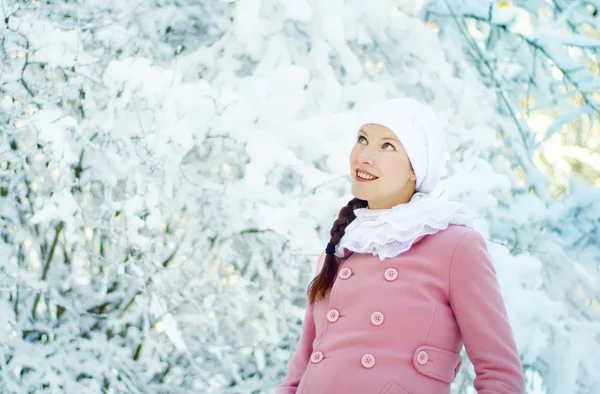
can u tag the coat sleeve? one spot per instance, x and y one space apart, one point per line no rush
478 306
299 361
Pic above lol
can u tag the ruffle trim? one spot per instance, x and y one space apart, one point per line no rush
390 232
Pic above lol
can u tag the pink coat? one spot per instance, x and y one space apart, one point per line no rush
397 326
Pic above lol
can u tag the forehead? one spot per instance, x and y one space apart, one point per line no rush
378 131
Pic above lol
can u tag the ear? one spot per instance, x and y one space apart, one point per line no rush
413 177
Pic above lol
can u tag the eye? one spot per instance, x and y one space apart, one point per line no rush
388 146
361 139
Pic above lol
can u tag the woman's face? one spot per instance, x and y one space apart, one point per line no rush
380 170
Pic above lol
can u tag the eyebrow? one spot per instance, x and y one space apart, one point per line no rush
383 139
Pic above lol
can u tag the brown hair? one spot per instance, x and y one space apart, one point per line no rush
324 280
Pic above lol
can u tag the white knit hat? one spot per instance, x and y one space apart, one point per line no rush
420 132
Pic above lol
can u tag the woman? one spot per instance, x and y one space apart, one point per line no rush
404 280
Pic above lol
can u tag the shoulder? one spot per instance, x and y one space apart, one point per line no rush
470 257
456 248
454 237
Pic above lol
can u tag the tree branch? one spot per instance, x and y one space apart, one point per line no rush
59 228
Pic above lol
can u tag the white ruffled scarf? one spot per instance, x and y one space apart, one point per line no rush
389 232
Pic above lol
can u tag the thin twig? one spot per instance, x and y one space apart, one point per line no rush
59 228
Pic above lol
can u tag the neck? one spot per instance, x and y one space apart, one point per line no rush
402 198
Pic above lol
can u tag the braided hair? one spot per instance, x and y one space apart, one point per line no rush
324 280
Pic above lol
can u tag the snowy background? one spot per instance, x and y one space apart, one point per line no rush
170 169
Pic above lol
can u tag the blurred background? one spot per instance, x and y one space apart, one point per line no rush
170 170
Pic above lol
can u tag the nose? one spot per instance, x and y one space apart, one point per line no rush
366 156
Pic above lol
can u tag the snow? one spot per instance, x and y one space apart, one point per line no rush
195 156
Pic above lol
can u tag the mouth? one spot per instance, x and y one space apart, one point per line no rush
363 176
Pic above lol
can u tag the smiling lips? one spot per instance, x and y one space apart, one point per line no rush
364 176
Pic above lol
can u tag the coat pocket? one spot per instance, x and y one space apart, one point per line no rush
437 363
393 388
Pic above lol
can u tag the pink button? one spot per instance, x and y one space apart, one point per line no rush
377 318
345 273
422 357
391 274
316 357
367 360
333 315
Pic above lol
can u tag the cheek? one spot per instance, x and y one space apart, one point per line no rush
397 167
